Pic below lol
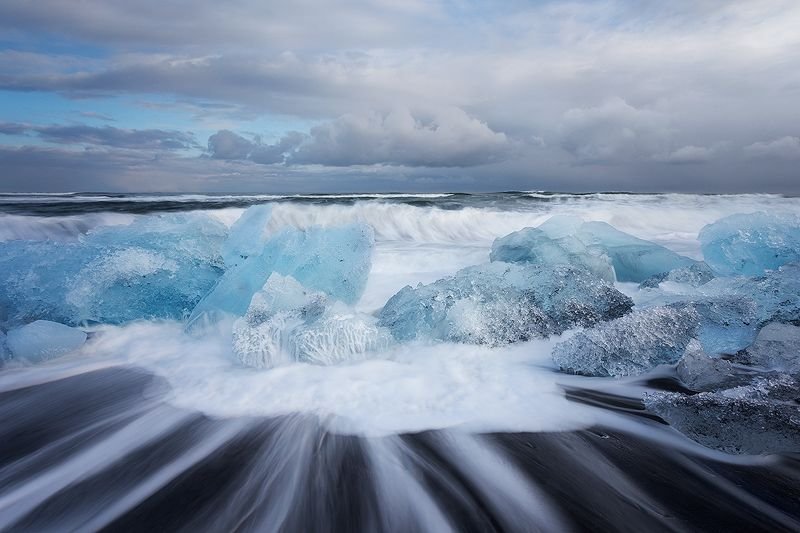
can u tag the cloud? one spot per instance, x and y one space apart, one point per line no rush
443 138
686 155
153 139
231 146
783 148
614 132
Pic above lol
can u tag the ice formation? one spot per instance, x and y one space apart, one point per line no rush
701 372
631 344
540 247
749 244
246 237
761 417
499 303
287 323
333 260
777 347
596 246
694 275
157 267
43 340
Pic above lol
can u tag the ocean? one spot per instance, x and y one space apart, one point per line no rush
154 423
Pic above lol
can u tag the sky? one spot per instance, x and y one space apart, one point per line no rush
383 95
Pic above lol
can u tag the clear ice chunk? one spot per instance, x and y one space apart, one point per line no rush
246 236
777 347
694 275
749 244
701 372
596 246
630 345
334 260
43 340
499 303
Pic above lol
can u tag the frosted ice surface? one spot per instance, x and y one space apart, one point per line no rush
287 323
499 303
777 347
246 237
157 267
631 344
334 260
43 340
762 417
596 246
749 244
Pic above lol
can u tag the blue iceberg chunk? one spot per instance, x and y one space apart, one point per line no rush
246 237
157 267
535 246
596 246
288 323
633 259
631 344
43 340
749 244
334 260
499 303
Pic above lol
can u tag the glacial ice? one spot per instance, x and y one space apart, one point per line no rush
629 345
287 323
694 275
749 244
157 267
499 303
43 340
334 260
777 347
536 246
760 417
246 236
701 372
596 246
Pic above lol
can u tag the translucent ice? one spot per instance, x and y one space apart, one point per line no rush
535 246
761 417
333 260
695 275
246 237
776 294
631 344
157 267
702 372
288 323
633 259
749 244
777 347
43 340
596 246
499 303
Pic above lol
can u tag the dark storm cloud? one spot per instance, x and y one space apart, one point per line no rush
104 136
